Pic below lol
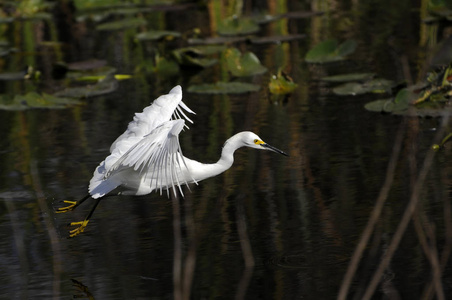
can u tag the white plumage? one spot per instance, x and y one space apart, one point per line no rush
148 156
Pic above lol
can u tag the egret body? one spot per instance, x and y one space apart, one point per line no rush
148 156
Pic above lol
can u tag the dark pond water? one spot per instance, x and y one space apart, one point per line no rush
271 227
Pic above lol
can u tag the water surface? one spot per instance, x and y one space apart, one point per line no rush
271 227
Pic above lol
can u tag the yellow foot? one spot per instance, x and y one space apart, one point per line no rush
70 207
81 227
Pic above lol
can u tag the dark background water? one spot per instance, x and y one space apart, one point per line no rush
271 227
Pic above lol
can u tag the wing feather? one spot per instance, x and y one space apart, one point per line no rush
149 145
157 156
161 110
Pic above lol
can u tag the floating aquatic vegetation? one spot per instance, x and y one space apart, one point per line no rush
160 65
266 18
277 38
281 84
75 70
101 10
349 77
156 35
86 65
399 104
330 51
122 24
237 26
242 65
104 86
224 88
430 98
102 77
217 40
27 73
34 100
446 139
375 86
196 55
96 72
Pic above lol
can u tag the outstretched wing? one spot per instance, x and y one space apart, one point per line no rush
158 157
164 108
145 129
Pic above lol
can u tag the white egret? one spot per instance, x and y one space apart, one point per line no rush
148 157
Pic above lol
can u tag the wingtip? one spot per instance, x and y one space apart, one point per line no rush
176 90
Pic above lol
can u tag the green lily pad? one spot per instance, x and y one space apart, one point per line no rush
202 50
86 65
34 100
237 25
105 86
349 77
159 65
224 88
330 51
243 65
26 73
217 40
381 105
156 35
376 86
98 72
37 16
281 84
196 56
277 38
122 24
401 103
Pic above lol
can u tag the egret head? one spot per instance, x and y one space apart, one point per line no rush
252 140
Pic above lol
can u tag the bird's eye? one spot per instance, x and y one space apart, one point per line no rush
258 142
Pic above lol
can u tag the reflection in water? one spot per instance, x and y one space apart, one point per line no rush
268 228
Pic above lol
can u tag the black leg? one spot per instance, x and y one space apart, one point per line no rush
82 224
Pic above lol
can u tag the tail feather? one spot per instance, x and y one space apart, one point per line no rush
99 186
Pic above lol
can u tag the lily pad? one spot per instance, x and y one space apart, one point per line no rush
159 65
243 65
399 104
102 77
196 56
34 100
330 51
156 35
217 40
281 84
237 25
277 38
122 24
224 88
349 77
376 86
99 72
86 65
105 86
26 73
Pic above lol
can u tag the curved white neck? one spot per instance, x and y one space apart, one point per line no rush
203 171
